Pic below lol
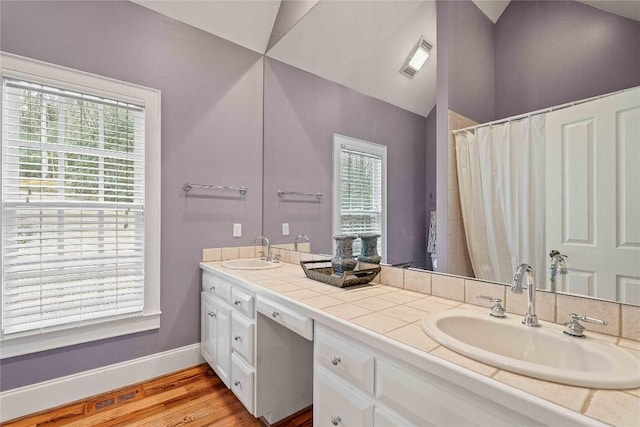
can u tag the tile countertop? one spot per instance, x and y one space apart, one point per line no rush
397 313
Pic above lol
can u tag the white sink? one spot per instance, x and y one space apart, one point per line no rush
546 352
250 264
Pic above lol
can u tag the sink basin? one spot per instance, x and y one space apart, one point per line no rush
250 264
546 352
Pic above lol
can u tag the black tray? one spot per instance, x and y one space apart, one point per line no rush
348 278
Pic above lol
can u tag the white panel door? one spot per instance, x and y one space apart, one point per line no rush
593 196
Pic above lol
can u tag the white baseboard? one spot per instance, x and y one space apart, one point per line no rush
49 394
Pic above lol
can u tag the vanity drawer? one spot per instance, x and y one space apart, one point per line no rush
242 337
352 363
242 376
216 286
336 404
243 302
291 319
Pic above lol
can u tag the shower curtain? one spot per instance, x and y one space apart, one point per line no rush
501 179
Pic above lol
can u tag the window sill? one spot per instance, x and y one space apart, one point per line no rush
63 338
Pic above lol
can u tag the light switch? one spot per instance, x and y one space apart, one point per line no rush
285 228
237 230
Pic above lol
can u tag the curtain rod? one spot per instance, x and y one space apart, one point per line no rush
542 111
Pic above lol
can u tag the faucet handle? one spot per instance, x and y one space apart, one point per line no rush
276 258
497 310
262 255
575 329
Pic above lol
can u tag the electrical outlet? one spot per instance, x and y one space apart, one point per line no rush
237 230
285 228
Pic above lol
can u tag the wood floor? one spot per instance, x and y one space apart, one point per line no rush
193 397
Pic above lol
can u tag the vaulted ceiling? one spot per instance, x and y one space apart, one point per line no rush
359 44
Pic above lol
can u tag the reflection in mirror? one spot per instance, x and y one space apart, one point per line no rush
494 70
302 112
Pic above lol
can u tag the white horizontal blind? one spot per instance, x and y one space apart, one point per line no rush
73 208
360 193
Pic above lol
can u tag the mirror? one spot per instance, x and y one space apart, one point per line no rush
303 110
304 107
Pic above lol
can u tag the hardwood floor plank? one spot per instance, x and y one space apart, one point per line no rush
178 379
194 397
167 414
119 411
60 413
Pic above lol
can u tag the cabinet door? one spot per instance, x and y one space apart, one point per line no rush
222 342
336 404
428 400
207 328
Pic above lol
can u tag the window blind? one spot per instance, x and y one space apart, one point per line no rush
360 193
73 208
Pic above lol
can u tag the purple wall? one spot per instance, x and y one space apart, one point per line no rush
552 52
211 133
471 62
302 112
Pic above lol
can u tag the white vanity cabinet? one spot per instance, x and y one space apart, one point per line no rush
259 347
228 335
357 385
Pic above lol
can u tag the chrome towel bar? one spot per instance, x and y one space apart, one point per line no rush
300 193
187 186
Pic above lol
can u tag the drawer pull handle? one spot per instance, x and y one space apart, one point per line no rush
335 420
212 288
212 314
275 314
335 360
237 302
237 384
237 338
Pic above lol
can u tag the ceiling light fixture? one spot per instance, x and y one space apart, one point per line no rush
416 58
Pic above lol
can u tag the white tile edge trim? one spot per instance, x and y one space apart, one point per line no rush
59 391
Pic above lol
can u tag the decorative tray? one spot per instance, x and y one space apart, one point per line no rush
348 278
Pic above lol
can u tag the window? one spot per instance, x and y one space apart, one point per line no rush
359 189
80 196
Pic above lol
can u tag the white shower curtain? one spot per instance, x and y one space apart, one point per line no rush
501 179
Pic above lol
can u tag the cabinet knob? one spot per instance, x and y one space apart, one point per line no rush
335 360
212 314
237 302
212 288
237 383
237 338
335 420
275 314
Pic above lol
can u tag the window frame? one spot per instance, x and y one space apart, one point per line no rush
57 76
360 145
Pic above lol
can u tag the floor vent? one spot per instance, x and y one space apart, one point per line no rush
117 398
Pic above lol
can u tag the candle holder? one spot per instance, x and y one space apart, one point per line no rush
343 259
369 248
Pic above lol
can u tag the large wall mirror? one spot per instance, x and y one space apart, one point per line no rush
318 81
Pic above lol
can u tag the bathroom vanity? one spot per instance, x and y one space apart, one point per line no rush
269 340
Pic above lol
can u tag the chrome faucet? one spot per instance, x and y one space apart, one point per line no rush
298 238
558 266
525 270
264 240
